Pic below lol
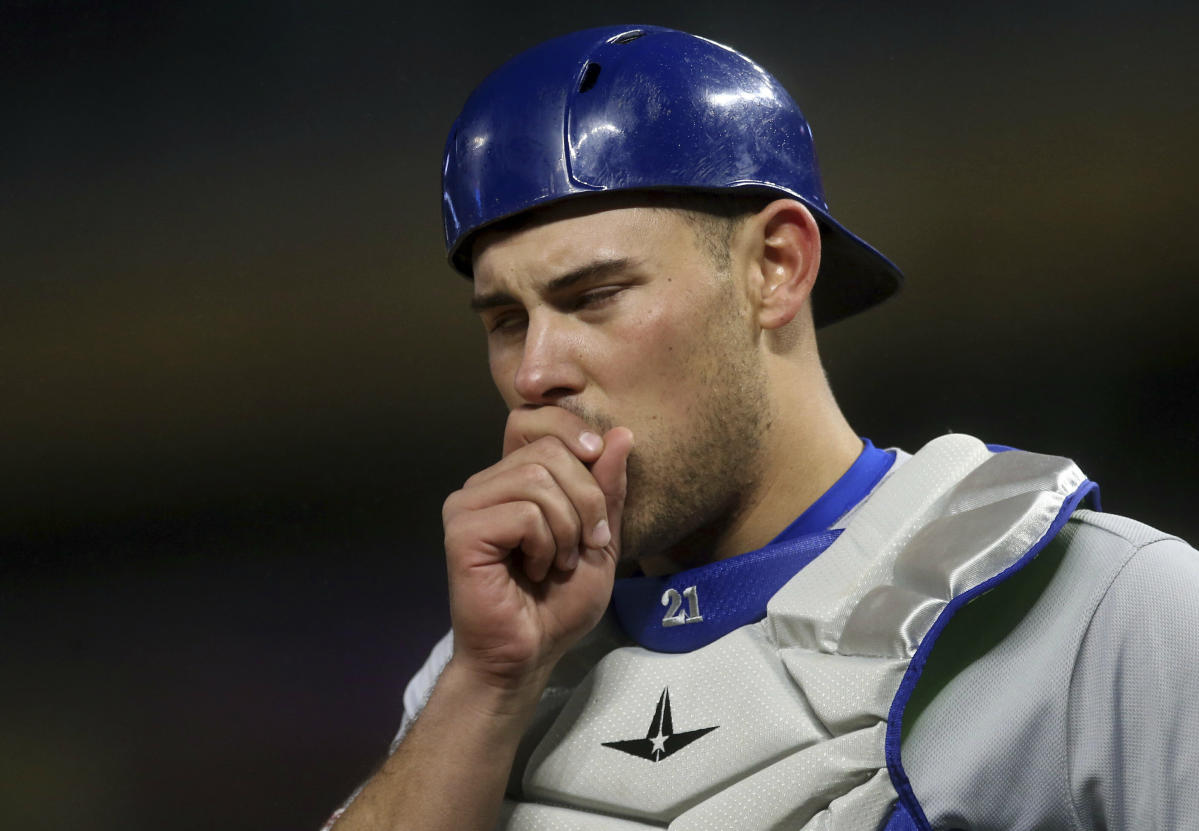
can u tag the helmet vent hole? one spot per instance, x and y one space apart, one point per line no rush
590 74
629 37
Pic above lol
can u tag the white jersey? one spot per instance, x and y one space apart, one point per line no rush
1049 703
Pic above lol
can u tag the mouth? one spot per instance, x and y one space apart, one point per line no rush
594 419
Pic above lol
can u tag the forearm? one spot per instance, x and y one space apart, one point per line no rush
451 769
531 548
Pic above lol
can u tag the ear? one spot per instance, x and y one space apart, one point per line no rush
787 242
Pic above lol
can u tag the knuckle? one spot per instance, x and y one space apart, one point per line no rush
547 447
537 476
518 416
449 508
530 514
453 538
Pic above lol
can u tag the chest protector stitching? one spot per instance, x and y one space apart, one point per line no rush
793 721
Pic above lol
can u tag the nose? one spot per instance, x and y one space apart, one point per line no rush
550 367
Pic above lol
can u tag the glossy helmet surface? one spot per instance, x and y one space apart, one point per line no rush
640 108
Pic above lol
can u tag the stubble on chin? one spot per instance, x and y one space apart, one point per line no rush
679 508
687 487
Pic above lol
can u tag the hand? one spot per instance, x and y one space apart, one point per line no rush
532 544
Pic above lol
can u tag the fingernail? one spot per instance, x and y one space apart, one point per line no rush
572 560
602 535
591 441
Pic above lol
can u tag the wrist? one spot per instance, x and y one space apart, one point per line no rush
496 695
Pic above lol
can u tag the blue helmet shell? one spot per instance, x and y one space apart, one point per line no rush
641 108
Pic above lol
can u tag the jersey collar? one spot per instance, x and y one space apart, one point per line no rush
863 475
689 609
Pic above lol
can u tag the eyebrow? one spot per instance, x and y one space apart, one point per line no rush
591 271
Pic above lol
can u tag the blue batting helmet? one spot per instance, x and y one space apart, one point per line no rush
638 108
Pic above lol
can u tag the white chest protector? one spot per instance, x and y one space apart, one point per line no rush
792 721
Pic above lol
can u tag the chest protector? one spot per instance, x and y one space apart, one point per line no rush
792 721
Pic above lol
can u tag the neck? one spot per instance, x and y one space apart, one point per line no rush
809 445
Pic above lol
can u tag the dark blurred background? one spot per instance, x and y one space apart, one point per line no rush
238 380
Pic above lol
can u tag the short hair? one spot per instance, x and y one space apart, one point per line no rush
714 216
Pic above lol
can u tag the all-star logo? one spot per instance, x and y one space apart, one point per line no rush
661 740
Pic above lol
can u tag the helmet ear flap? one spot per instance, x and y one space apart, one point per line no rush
641 109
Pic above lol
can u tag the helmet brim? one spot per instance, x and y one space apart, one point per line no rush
853 275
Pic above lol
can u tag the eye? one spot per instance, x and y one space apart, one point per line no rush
597 297
506 323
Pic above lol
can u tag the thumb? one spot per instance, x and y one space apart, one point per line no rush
610 473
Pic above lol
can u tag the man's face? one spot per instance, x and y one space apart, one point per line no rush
621 317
